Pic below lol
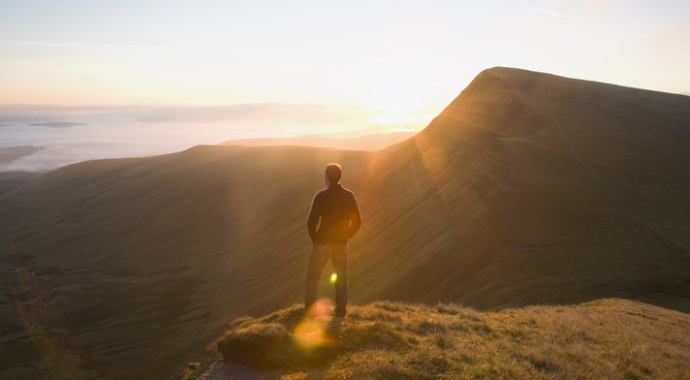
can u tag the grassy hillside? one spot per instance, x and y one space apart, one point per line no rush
528 188
604 339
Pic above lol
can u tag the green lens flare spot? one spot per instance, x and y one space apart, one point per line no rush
334 277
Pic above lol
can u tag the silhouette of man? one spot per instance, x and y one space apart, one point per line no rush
336 208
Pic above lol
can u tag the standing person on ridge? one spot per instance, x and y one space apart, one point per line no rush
337 209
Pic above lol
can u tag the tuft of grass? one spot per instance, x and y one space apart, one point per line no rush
196 369
615 339
260 345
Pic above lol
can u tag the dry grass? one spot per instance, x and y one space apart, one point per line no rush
606 339
196 369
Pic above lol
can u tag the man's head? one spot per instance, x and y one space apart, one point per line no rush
333 173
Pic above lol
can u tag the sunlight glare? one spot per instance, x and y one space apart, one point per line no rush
434 159
310 333
400 117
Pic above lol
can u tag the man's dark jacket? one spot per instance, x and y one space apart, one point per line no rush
337 208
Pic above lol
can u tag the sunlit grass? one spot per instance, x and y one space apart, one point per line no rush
602 339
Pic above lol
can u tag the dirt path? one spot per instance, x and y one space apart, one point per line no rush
226 371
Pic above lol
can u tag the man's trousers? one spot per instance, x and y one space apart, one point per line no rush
320 255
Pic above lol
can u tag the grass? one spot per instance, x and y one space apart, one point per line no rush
196 369
606 339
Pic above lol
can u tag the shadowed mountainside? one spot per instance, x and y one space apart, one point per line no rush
11 179
528 188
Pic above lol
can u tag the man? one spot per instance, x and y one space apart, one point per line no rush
337 209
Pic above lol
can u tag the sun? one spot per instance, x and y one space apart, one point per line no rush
393 97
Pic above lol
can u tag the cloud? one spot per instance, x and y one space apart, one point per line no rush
16 152
550 13
676 44
39 113
256 119
253 112
56 124
121 46
258 113
95 132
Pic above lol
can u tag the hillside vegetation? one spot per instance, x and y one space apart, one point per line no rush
527 189
604 339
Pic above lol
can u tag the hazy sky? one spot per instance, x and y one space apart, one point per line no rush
399 55
86 79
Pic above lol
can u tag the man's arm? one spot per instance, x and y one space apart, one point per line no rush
355 218
313 219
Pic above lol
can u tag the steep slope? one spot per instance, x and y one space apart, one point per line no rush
527 188
589 195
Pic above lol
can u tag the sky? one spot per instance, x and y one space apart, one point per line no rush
357 63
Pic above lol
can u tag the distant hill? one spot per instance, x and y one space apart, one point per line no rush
371 142
527 189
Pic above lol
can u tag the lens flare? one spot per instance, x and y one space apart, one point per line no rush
334 278
310 334
434 159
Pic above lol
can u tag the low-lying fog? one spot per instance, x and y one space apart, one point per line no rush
42 138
